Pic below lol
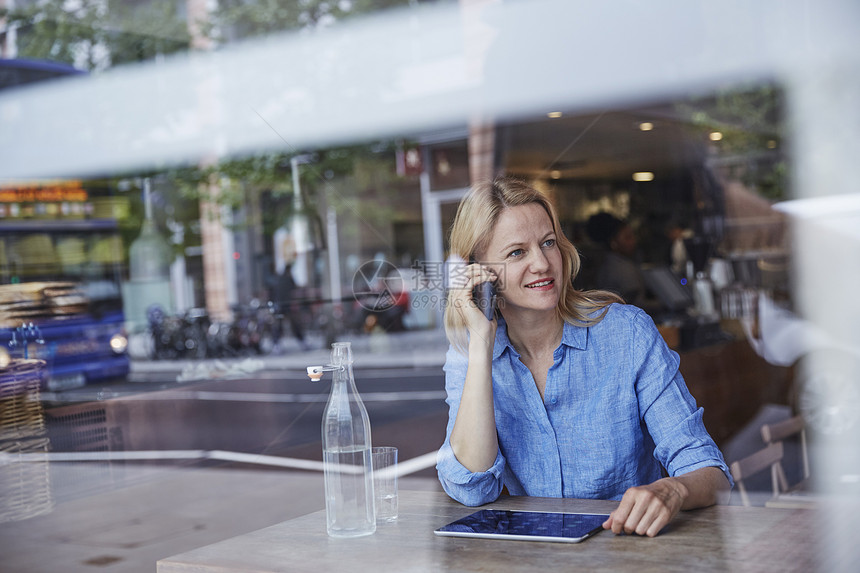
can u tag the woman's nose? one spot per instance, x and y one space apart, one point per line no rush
538 262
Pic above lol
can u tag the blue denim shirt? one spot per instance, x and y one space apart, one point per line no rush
615 409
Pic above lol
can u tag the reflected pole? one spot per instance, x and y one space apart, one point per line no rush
214 238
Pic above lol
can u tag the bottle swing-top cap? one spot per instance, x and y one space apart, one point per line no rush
341 357
315 373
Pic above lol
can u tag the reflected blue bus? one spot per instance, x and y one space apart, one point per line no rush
61 293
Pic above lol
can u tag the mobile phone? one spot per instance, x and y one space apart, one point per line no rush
484 296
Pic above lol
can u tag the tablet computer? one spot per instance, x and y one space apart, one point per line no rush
526 525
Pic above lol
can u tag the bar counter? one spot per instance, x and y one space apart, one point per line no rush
719 538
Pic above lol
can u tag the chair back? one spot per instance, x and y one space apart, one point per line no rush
780 431
769 457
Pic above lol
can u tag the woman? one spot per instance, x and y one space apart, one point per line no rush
564 393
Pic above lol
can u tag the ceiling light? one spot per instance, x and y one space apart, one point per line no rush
554 114
555 174
646 126
715 136
643 176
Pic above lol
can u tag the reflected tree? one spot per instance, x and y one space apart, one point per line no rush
752 139
95 35
240 19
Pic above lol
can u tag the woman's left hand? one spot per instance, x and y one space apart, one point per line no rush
645 510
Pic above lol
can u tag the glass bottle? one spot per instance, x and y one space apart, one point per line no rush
346 443
703 296
149 255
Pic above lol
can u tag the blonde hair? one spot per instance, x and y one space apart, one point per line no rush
473 225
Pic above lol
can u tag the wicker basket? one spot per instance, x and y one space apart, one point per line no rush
25 485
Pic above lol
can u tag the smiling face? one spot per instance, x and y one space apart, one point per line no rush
525 255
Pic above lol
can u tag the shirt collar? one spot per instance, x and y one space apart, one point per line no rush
502 341
574 336
571 335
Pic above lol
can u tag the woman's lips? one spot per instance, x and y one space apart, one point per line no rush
542 284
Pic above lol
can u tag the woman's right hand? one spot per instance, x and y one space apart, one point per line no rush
473 437
462 301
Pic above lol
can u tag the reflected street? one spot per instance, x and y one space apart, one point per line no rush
264 406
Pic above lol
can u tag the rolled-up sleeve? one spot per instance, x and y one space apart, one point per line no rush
469 488
682 444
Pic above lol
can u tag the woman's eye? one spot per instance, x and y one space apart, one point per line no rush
516 253
549 243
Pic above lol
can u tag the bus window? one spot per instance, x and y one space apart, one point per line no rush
60 298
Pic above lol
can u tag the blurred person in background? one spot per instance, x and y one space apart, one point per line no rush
286 294
563 393
667 247
619 271
677 251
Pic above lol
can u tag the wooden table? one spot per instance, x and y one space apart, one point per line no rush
721 538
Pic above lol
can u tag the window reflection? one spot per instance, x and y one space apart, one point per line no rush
270 259
343 243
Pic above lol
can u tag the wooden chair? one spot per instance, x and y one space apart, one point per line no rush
769 457
777 433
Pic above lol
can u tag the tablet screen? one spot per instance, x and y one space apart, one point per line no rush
526 525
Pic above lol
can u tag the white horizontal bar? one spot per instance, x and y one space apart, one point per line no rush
303 398
403 72
262 397
815 207
403 468
132 455
266 460
414 465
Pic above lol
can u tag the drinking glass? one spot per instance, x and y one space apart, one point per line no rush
384 459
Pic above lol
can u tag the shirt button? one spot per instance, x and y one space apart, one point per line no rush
554 400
